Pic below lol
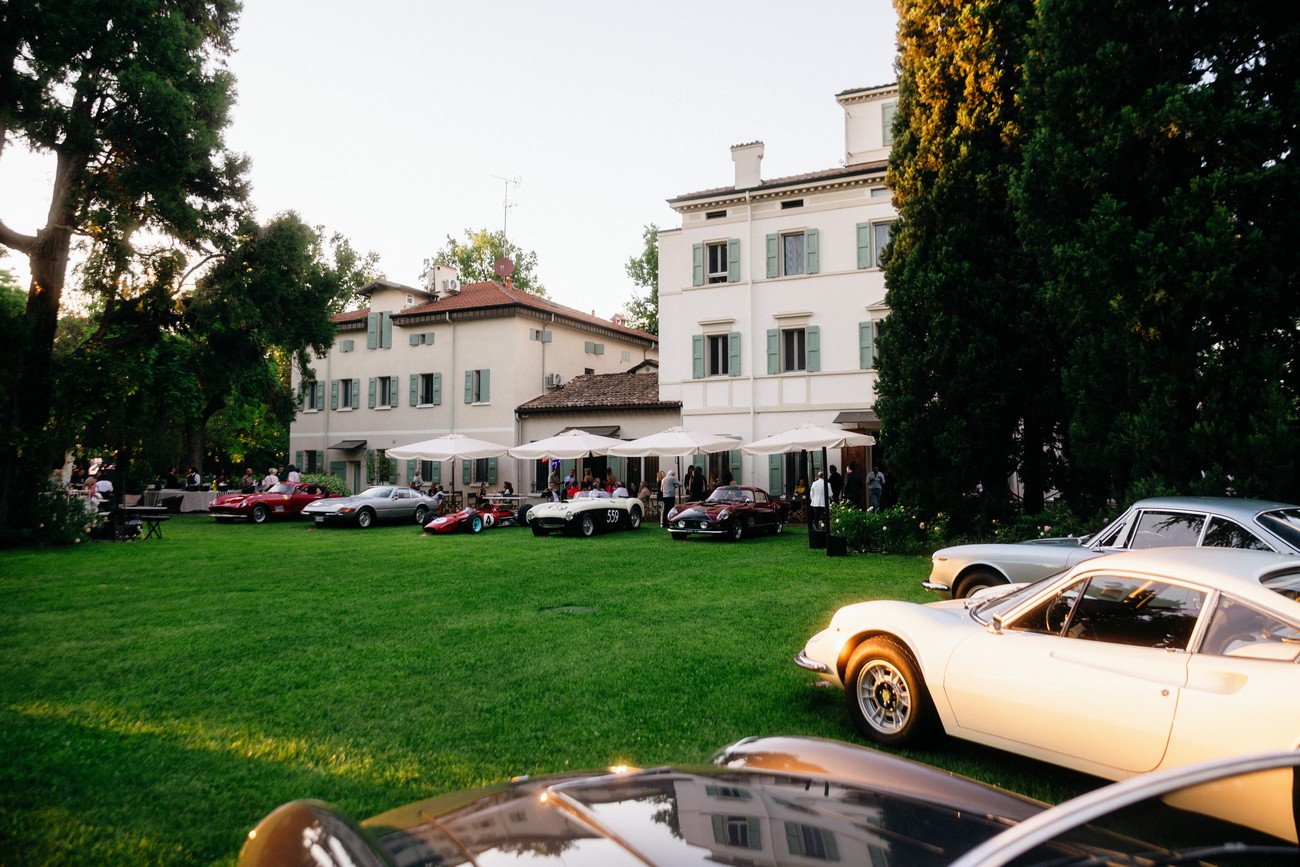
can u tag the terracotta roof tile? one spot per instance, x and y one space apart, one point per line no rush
603 391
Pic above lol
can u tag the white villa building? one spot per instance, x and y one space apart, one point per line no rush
420 363
771 296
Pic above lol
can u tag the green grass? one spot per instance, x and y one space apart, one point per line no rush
158 698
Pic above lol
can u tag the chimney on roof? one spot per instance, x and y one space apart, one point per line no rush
442 280
747 157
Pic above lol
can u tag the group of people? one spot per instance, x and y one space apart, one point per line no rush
849 488
249 484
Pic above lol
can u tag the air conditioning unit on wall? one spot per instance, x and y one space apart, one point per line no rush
554 380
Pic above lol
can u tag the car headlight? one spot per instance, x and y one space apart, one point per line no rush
724 514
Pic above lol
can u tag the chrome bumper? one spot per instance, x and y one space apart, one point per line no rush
803 661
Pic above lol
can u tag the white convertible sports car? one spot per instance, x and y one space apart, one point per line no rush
1122 665
1159 522
586 516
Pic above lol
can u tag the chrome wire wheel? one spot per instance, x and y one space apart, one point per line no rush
884 697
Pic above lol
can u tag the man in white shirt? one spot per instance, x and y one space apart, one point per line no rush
817 503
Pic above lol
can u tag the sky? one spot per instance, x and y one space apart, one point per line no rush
398 123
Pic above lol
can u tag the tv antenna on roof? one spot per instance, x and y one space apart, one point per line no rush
506 204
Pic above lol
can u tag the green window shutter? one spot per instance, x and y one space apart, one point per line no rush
492 471
697 356
386 322
356 393
887 112
372 392
302 395
733 260
415 389
811 258
864 245
546 336
415 340
485 385
372 330
792 838
437 389
774 475
599 349
755 835
320 394
469 386
393 382
773 350
466 472
320 460
733 353
437 473
773 262
733 462
334 394
719 830
297 461
697 265
813 348
829 844
588 347
866 345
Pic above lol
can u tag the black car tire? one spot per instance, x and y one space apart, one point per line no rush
887 696
521 517
538 530
587 525
421 512
365 518
977 579
261 514
737 530
634 518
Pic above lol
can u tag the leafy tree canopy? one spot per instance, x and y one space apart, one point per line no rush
474 258
643 310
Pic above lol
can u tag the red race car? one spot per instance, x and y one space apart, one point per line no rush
285 500
467 520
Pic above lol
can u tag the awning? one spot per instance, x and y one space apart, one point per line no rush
348 445
609 430
863 418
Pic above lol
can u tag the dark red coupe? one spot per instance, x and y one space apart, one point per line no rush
734 511
285 500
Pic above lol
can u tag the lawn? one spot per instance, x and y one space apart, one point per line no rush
159 697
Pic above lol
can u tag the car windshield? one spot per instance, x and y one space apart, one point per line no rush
281 489
1284 583
377 493
1284 523
729 495
998 604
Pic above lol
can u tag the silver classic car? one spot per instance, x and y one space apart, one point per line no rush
392 503
1160 522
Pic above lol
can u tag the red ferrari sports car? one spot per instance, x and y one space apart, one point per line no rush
285 500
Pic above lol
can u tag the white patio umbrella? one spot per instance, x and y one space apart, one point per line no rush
806 437
675 442
570 445
449 447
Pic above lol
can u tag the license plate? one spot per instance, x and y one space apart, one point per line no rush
320 519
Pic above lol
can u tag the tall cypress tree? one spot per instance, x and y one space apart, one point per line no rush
1159 197
966 392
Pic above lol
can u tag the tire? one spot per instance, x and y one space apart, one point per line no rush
521 517
538 531
421 512
886 695
778 528
365 518
587 525
261 514
476 524
634 518
737 530
977 579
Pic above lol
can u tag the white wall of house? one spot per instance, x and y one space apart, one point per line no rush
835 297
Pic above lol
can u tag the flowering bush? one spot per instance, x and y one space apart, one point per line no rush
895 530
1057 520
63 517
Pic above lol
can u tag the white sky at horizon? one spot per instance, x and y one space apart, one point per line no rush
396 126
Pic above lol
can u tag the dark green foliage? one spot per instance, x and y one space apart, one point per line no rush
330 482
966 388
1159 197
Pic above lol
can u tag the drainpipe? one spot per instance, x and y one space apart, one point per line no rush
749 232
